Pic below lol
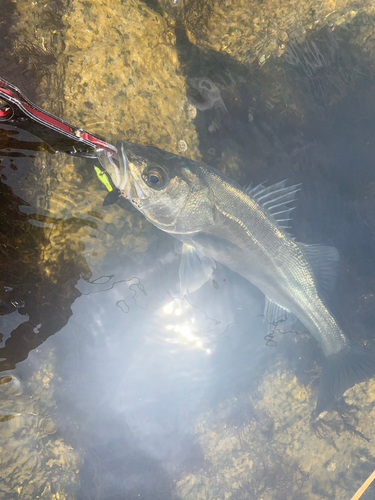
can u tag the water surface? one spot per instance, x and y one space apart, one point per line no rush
114 386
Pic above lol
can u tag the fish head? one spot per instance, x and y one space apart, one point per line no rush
166 188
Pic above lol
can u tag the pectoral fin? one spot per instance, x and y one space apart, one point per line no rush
195 269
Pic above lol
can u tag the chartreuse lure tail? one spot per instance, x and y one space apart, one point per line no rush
113 193
102 176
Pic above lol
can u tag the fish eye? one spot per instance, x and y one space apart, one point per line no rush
154 178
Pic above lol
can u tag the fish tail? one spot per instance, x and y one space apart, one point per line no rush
341 371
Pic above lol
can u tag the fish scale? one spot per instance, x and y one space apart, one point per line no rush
244 229
282 273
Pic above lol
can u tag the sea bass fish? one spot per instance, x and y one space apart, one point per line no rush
245 230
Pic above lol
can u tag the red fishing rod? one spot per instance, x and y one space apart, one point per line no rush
16 110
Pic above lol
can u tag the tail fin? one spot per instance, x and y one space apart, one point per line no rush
343 370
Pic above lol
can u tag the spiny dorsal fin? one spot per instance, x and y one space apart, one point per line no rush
276 199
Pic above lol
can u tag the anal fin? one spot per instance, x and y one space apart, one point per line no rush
277 317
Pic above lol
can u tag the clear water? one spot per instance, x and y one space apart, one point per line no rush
113 387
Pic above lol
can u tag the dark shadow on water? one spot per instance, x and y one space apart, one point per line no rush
40 292
116 469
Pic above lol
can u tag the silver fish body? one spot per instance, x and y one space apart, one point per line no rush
246 238
218 221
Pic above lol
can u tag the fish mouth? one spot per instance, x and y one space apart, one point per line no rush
128 186
120 174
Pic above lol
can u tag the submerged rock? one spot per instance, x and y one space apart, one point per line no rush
36 462
255 32
267 445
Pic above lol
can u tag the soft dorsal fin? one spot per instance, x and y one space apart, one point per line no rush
324 261
276 199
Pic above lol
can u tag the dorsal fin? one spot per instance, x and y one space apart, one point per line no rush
276 199
325 263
